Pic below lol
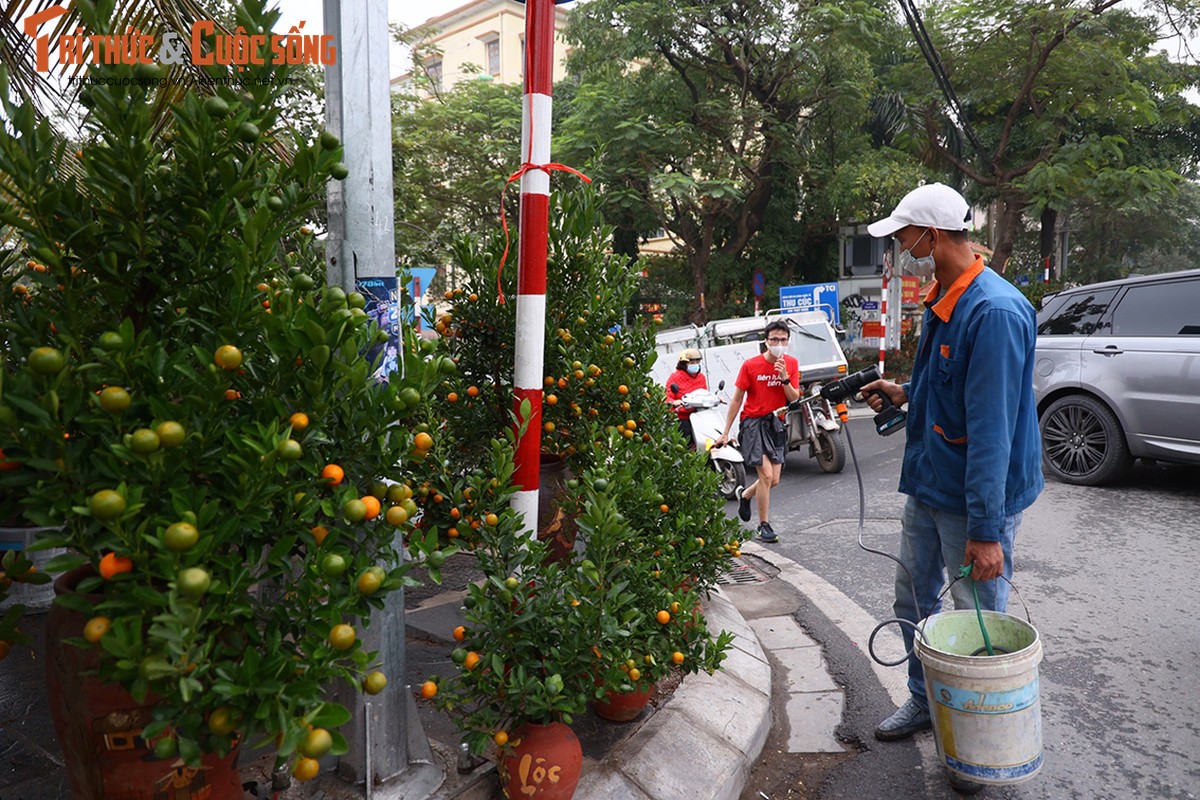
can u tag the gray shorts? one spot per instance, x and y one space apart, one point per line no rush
762 436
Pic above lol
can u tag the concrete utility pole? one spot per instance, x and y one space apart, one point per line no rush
385 736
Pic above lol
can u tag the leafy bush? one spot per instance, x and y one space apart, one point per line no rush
173 386
653 535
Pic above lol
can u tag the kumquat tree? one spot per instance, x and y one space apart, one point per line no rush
196 414
550 631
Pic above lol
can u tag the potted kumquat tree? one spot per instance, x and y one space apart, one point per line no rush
558 625
198 417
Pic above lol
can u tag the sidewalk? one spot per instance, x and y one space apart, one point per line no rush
698 742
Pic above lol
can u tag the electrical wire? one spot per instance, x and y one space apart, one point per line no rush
913 17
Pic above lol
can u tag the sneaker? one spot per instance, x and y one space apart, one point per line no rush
908 719
743 505
766 533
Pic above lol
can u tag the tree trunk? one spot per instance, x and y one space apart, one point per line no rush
1011 205
698 264
1048 238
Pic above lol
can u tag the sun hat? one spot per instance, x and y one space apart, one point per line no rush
690 354
934 205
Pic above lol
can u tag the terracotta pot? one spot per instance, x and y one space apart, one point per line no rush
542 762
99 726
556 526
623 706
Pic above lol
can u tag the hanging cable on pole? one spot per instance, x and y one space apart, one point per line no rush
925 43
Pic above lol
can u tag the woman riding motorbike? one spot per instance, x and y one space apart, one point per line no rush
686 377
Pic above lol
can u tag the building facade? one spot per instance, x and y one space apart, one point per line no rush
483 38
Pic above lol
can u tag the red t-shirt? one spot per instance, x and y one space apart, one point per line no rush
686 383
763 388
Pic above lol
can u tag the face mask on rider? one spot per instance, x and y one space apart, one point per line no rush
911 265
777 350
693 369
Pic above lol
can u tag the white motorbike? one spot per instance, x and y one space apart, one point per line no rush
708 422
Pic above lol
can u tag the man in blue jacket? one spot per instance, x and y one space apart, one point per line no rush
972 462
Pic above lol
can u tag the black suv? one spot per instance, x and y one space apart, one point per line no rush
1117 376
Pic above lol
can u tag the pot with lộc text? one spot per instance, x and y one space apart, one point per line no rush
542 762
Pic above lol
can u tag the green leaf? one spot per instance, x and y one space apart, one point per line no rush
330 715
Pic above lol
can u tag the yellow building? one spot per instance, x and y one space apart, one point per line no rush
480 38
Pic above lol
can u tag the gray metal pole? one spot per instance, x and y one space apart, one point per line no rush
385 738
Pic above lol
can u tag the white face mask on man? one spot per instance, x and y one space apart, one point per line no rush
777 350
922 267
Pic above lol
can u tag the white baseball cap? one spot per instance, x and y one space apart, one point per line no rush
934 205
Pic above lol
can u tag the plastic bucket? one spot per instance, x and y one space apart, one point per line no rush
987 715
33 597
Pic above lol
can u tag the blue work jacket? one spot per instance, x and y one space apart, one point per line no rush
973 443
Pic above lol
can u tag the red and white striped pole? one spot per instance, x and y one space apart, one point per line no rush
887 268
531 253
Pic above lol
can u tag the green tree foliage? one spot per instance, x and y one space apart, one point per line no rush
452 155
1064 98
703 119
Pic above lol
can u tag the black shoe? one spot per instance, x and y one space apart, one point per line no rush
743 505
964 786
766 533
907 720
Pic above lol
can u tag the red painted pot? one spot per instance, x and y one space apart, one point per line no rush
542 762
623 706
99 726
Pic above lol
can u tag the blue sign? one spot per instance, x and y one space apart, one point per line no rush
870 305
759 283
812 297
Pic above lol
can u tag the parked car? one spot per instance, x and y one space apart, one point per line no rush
1117 376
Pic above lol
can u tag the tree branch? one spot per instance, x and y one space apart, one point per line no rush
1098 7
962 166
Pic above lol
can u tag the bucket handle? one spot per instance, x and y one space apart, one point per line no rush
964 572
919 629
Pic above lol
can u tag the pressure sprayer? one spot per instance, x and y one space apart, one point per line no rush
980 666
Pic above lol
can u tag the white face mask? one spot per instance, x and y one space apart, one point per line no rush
777 350
922 267
693 369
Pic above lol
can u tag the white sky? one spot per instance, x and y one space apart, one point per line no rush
405 12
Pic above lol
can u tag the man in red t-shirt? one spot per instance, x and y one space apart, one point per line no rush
767 382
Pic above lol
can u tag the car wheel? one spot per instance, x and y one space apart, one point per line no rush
1082 442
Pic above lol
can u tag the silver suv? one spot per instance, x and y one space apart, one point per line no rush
1117 376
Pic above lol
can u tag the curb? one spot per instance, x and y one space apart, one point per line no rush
705 739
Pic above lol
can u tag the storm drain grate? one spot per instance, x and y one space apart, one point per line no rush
741 573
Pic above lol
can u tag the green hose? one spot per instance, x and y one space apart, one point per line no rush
965 572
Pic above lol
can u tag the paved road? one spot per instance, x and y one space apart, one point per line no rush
1108 578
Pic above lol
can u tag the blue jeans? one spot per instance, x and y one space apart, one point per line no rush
931 541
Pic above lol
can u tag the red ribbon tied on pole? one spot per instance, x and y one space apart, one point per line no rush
516 176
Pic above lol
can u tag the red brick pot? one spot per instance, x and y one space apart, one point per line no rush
623 706
542 762
99 726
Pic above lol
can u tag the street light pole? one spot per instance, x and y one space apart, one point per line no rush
385 738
